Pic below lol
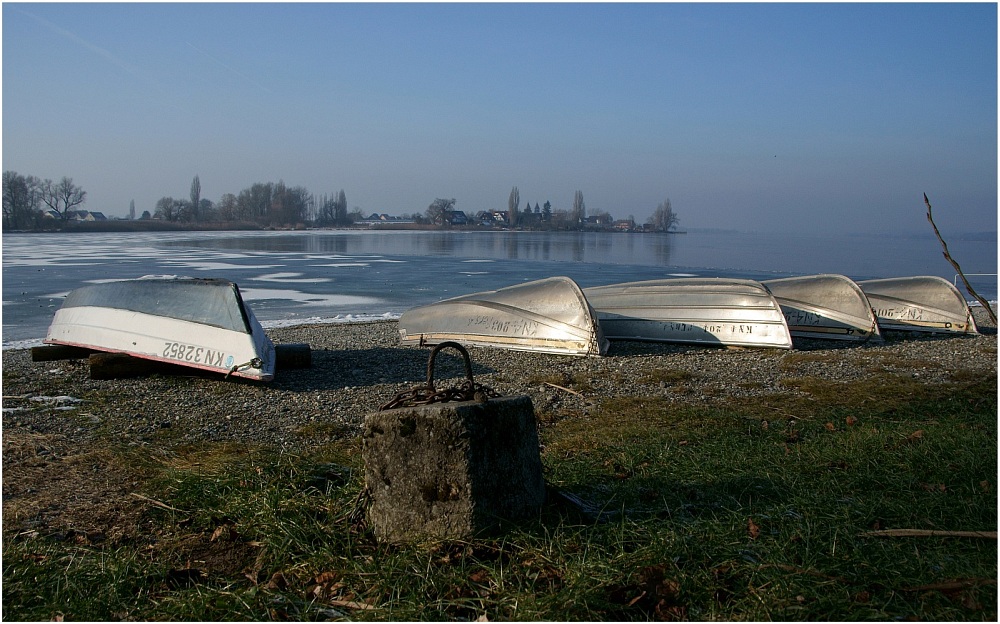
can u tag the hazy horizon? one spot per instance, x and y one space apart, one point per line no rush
750 117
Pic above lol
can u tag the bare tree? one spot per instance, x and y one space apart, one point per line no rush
436 211
954 263
195 199
21 198
327 209
227 207
170 209
63 196
663 217
340 209
513 203
289 206
579 213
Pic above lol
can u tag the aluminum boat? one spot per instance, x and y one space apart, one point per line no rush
925 303
548 316
200 323
707 311
830 307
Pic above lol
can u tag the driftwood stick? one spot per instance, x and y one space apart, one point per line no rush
547 383
929 533
958 269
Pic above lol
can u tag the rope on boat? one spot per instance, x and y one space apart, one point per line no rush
254 363
426 394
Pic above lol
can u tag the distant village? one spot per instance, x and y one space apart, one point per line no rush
500 220
32 204
451 219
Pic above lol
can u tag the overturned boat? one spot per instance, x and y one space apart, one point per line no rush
829 307
925 303
200 323
707 311
548 316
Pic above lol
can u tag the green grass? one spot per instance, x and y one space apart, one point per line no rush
748 510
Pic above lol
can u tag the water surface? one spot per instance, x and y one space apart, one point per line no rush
328 275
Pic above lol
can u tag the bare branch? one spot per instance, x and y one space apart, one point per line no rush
958 269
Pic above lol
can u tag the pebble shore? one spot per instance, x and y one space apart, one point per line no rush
356 368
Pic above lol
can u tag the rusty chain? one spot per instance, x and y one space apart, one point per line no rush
426 394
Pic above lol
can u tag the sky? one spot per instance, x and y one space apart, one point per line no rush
751 117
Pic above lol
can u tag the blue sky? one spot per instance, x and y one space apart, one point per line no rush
773 117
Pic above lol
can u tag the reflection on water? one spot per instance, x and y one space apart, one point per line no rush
598 247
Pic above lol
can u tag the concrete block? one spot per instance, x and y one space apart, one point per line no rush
452 470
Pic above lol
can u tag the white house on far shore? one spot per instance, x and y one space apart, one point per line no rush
76 215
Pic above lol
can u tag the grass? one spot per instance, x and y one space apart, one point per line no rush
749 510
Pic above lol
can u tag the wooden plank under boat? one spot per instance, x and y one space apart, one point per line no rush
706 311
547 316
200 323
924 303
827 306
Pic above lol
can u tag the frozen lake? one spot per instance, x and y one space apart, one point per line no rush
340 276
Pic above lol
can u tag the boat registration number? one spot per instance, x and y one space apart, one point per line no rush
195 354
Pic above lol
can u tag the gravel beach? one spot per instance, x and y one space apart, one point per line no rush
59 424
356 368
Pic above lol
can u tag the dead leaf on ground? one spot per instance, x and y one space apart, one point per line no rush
226 531
350 604
752 529
277 581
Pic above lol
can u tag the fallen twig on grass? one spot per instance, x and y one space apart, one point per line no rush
953 585
929 533
157 503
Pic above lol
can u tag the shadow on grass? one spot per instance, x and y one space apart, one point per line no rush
332 370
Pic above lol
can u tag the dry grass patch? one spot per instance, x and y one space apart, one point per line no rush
666 376
52 485
897 362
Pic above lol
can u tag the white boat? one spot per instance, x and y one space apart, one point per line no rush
708 311
547 316
200 323
830 307
924 303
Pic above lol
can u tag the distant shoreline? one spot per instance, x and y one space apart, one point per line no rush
149 225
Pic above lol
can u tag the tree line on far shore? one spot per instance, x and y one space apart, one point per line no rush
30 203
26 199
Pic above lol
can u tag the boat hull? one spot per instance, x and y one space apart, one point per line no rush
545 316
200 324
705 311
825 307
924 303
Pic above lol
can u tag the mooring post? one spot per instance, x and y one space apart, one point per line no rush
453 469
